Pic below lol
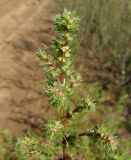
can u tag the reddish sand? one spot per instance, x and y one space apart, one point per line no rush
24 26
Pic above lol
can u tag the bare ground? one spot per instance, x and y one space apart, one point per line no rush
24 26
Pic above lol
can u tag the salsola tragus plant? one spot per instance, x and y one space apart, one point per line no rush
65 138
62 86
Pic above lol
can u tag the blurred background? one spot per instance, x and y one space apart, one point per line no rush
103 57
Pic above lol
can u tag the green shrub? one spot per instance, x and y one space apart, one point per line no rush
64 136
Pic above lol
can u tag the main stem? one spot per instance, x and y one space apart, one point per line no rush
64 119
64 143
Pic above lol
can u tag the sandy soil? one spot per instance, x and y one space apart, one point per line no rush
24 26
